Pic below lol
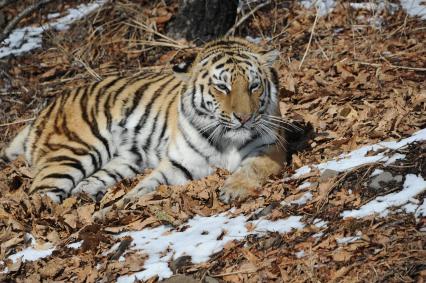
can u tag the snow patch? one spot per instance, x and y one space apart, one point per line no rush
24 39
365 6
376 172
319 223
203 237
318 235
413 186
300 254
31 254
359 156
75 245
409 207
347 240
421 210
395 157
323 7
414 8
303 199
305 185
377 7
257 40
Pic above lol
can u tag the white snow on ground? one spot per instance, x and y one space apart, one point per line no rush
366 6
414 8
376 172
376 6
75 245
27 38
410 207
395 157
32 253
318 235
300 254
413 185
347 240
304 185
200 240
302 200
323 7
359 156
257 40
421 210
320 223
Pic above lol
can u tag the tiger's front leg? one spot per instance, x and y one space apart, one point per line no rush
252 174
114 171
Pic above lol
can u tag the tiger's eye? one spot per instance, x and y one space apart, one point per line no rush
222 87
254 86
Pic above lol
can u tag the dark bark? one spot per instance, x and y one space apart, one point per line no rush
203 20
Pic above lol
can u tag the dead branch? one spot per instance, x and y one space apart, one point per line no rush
418 69
12 24
310 40
17 122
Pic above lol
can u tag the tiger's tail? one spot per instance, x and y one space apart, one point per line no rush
16 147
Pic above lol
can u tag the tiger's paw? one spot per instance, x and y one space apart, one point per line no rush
92 187
236 189
55 197
131 196
101 213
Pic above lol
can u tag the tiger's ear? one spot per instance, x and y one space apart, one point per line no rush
183 70
269 57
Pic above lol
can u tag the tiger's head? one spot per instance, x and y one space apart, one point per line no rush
231 90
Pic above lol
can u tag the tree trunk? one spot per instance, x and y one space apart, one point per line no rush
203 20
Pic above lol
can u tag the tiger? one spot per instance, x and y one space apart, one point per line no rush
220 110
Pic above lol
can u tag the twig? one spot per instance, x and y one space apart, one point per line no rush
284 29
244 18
391 65
91 72
17 122
310 39
322 50
89 69
253 270
11 25
151 30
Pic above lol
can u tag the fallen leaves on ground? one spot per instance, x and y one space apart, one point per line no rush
358 85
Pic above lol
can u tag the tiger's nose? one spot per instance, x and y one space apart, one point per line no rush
242 117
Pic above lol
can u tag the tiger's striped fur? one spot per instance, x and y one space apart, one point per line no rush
219 111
